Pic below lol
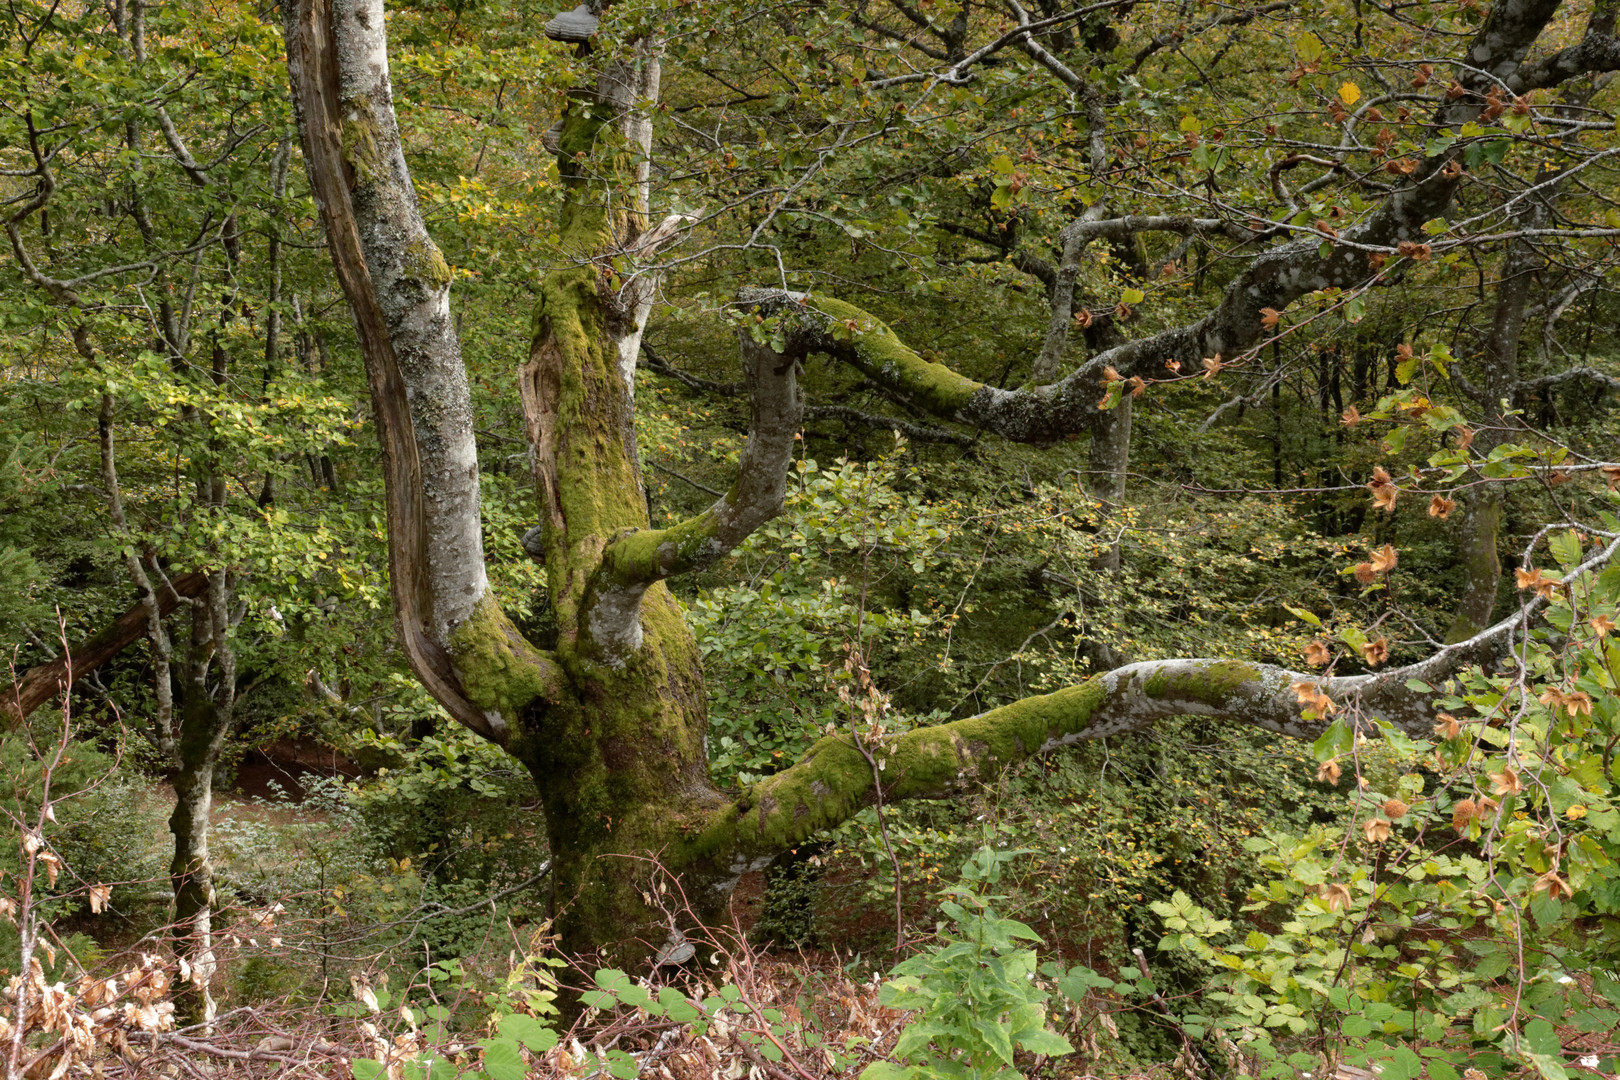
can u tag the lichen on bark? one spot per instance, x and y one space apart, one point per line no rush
360 145
423 263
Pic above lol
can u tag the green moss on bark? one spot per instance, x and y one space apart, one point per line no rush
1480 524
834 779
1211 685
500 671
359 142
877 350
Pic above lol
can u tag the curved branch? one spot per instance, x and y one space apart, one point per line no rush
634 561
1597 51
1274 279
834 781
397 283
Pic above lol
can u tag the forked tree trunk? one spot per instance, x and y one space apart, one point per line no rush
611 722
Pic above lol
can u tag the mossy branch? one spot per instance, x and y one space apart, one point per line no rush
635 560
505 676
833 781
1274 279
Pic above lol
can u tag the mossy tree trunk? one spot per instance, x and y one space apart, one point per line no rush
611 720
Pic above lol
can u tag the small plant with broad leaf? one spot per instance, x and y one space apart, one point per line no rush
974 993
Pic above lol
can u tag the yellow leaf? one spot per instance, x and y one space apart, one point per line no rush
1349 93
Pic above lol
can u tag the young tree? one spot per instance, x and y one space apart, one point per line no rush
154 359
611 721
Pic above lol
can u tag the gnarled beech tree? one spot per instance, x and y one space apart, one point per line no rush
611 721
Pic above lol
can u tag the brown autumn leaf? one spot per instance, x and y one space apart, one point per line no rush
1452 169
1465 438
1506 782
1384 491
1316 654
1441 507
1534 580
1400 166
1403 351
1173 365
1351 417
1553 885
1376 652
1110 375
1377 829
1385 558
99 896
1601 625
1611 474
1311 696
1335 897
1328 772
1212 365
1447 726
1083 317
1269 317
1424 73
1465 811
1122 311
1137 385
1376 260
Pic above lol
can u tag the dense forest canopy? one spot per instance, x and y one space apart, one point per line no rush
1162 450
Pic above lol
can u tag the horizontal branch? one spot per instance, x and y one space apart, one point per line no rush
43 682
1579 374
834 780
915 432
1273 280
1597 51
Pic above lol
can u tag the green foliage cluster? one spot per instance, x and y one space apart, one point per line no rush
973 994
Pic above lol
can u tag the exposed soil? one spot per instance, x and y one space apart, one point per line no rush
290 766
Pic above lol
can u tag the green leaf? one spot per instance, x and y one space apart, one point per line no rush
534 1035
1333 742
1301 613
1133 296
999 1040
502 1060
1308 47
367 1069
1041 1041
887 1070
1566 548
